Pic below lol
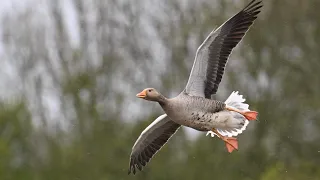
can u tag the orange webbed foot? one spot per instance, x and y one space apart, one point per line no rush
250 115
231 143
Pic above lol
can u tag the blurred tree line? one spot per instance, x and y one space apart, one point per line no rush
75 67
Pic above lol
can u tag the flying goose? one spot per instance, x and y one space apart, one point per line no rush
193 107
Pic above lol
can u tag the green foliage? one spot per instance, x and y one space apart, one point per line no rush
15 151
302 170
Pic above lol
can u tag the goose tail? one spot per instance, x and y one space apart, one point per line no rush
237 101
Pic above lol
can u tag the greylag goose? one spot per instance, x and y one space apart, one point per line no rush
193 107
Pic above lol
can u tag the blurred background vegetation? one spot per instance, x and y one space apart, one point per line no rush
71 69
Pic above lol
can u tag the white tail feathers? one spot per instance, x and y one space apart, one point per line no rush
237 101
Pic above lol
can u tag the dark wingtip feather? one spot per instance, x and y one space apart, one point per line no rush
132 168
231 34
138 160
253 3
253 6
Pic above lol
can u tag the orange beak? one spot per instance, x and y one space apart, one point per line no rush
142 94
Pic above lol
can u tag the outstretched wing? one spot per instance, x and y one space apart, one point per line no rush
213 53
150 142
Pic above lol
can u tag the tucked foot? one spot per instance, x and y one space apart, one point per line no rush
250 115
231 143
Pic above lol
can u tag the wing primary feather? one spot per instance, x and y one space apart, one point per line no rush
230 35
150 142
212 55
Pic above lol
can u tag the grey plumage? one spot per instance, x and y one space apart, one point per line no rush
212 55
183 108
150 141
193 107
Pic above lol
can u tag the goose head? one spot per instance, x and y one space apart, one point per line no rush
150 94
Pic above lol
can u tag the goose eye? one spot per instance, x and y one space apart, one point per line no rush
149 90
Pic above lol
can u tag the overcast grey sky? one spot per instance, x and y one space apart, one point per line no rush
9 78
7 72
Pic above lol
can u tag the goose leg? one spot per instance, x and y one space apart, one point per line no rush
231 142
249 115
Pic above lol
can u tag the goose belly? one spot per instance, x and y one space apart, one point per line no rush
204 121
